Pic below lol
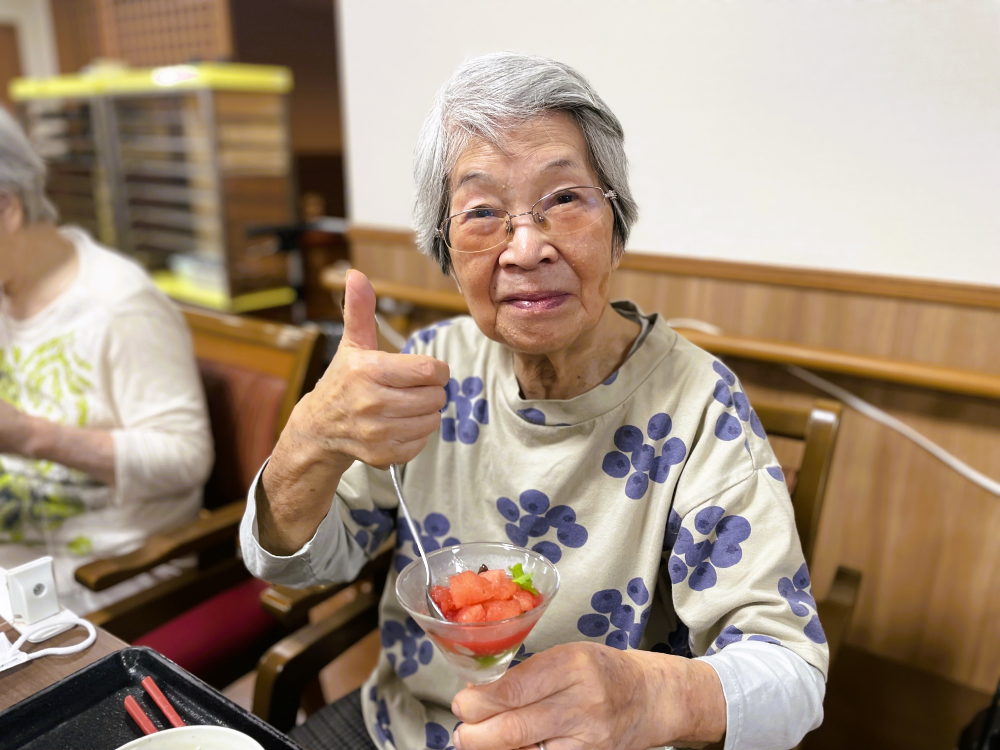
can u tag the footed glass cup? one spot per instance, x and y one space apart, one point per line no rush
479 652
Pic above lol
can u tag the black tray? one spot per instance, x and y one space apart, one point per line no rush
86 710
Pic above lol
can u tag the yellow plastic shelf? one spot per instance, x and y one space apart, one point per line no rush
121 80
184 291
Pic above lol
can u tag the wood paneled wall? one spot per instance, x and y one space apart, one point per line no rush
926 540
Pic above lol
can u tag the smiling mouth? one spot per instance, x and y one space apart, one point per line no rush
536 301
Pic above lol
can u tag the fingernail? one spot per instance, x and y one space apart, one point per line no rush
455 741
454 709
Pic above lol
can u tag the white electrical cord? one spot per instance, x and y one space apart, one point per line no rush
11 654
693 324
863 407
389 333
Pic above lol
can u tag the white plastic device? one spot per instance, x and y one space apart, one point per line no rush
28 598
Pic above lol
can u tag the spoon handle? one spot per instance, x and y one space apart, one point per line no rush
394 473
432 605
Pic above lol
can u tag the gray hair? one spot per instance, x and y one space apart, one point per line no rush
485 98
22 172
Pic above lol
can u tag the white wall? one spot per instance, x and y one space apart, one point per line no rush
839 134
36 37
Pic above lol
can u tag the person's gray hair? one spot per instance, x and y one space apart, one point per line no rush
485 98
23 173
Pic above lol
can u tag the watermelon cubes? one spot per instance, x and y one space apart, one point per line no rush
467 589
502 610
489 596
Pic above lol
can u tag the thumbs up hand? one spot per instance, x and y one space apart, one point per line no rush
369 406
360 328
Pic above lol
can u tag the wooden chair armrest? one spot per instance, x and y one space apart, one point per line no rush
836 611
208 530
148 609
291 606
291 664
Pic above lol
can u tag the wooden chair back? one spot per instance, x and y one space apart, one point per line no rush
816 427
253 372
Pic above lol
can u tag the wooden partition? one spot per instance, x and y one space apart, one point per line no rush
926 540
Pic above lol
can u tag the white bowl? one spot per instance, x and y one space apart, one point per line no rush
195 738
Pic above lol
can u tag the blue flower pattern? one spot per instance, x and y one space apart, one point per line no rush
672 530
433 535
729 427
670 535
610 610
426 335
471 410
732 634
538 520
535 416
374 527
678 642
708 555
437 737
644 464
382 730
414 648
797 592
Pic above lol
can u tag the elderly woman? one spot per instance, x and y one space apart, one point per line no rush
103 427
558 420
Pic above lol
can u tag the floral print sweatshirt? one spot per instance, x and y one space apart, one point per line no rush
656 495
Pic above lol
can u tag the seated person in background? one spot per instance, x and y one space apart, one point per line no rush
555 419
104 432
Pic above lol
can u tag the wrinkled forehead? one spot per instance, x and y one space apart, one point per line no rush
548 146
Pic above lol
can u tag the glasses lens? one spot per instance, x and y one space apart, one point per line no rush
475 230
571 210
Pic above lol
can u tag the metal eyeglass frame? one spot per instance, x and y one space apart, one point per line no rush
610 195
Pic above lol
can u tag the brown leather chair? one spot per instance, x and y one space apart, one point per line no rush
286 675
208 619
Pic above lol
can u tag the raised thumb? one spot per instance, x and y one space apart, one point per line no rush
359 312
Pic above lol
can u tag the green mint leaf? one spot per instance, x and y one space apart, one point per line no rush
523 579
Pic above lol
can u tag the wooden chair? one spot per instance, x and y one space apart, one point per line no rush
287 672
816 430
208 619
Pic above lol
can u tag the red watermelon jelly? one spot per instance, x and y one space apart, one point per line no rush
488 611
489 596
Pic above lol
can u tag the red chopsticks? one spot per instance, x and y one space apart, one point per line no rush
144 722
136 712
161 701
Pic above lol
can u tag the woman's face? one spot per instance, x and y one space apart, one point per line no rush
536 294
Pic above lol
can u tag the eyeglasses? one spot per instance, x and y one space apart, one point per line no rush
557 214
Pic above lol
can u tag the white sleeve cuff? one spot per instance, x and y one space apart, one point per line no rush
773 696
294 570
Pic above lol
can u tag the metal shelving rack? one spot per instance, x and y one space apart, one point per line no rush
172 166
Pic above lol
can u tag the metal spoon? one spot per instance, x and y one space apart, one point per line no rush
431 604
